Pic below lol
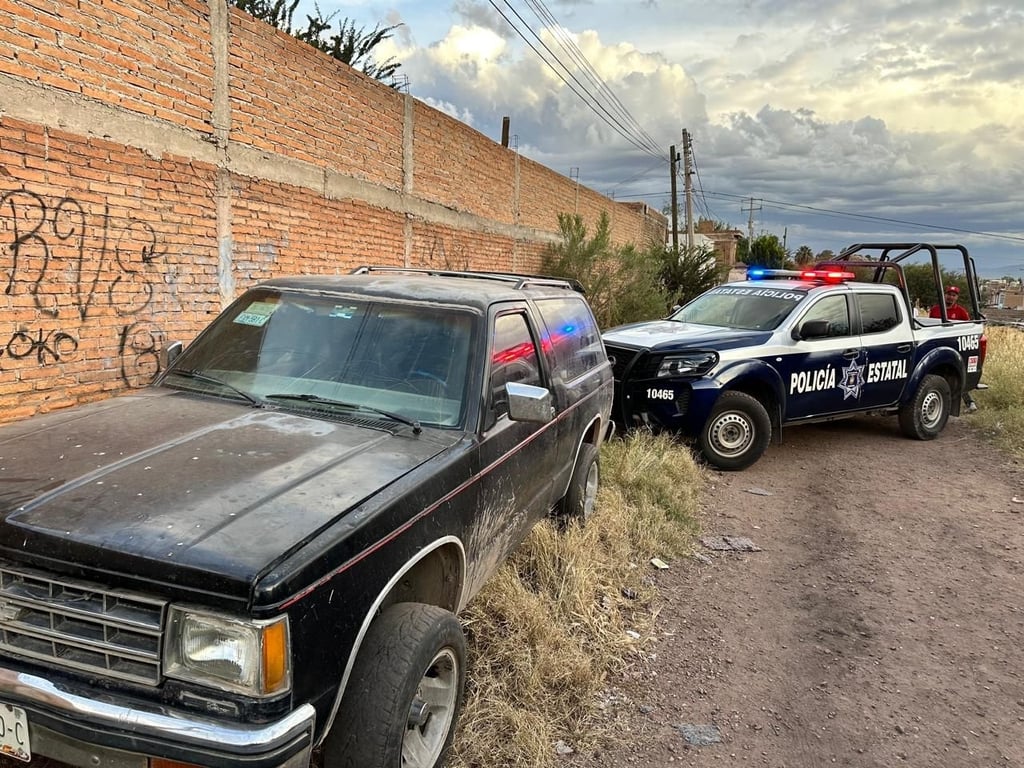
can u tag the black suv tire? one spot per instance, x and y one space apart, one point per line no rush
580 498
404 696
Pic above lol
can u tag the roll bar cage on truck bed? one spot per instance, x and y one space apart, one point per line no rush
890 255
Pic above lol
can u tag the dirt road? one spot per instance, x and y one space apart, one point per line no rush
880 624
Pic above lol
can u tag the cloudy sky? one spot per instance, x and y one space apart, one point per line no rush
837 121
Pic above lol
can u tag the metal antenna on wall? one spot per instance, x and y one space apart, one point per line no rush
574 175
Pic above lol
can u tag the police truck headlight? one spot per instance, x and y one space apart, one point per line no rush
248 657
689 364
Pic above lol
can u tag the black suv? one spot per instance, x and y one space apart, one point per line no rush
264 553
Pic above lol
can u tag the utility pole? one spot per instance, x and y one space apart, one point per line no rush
750 221
673 157
688 187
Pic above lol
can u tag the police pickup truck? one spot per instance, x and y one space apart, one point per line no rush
744 359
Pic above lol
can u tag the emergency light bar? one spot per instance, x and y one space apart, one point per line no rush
763 273
818 275
828 275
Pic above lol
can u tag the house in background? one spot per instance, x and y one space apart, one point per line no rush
1004 295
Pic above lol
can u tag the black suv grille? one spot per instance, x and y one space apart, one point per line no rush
80 626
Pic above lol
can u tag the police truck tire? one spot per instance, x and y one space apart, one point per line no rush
404 695
737 433
925 416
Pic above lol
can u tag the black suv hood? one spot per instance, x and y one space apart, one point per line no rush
140 486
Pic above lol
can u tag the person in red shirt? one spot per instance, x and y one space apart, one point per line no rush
953 310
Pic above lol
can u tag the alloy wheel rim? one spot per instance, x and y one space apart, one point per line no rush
432 712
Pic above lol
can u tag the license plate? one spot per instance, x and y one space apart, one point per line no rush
14 733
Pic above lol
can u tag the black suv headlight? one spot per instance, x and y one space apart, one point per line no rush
248 657
687 364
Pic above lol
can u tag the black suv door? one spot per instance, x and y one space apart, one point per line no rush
517 458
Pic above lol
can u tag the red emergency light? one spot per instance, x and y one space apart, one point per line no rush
827 275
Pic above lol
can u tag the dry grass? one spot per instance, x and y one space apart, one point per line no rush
549 627
1001 406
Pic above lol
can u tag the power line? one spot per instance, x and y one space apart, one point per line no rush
600 110
568 45
782 205
644 172
700 184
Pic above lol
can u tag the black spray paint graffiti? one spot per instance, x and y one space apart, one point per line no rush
139 351
47 346
51 250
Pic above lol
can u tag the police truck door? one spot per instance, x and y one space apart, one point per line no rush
824 372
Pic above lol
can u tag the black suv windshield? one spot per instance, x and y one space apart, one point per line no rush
294 349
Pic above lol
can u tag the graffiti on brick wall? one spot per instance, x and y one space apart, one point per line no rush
433 252
139 353
436 254
45 346
71 262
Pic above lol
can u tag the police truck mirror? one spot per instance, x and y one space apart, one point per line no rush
812 329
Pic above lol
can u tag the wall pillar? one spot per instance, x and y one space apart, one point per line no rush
219 35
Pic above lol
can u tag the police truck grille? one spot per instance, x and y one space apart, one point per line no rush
622 356
78 626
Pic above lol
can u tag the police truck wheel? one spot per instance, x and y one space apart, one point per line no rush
403 698
925 416
737 432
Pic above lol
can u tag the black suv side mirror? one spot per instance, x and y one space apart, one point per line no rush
529 403
170 352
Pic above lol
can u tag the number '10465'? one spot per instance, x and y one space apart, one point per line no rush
965 343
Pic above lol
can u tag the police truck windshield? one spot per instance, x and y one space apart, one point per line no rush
754 308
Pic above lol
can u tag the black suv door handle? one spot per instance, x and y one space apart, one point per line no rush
851 353
904 348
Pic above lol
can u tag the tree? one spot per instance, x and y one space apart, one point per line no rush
743 250
767 251
705 224
693 273
349 45
804 256
622 284
921 284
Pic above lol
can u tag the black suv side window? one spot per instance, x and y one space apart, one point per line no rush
878 312
571 336
513 357
833 310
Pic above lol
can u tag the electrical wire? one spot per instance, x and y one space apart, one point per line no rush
568 44
782 205
644 172
700 183
588 99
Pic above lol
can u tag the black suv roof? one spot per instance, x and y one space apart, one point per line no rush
475 289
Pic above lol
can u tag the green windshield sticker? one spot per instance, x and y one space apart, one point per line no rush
257 313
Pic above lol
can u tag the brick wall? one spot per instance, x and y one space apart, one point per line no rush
158 157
